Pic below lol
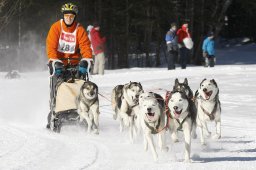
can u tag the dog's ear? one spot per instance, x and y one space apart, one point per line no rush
97 88
214 82
140 86
186 81
130 83
176 81
196 93
202 81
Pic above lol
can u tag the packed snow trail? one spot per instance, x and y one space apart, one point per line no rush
26 144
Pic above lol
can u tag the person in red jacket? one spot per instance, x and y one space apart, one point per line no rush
98 45
182 34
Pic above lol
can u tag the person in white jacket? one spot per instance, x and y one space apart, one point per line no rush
89 28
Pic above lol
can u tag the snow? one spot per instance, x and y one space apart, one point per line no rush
26 144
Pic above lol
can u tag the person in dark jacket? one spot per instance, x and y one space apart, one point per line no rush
172 46
208 50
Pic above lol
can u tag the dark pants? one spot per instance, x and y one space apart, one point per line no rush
210 61
171 59
184 52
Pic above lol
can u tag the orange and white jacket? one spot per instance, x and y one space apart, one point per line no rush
83 45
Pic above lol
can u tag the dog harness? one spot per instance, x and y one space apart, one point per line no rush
180 123
167 110
154 130
212 114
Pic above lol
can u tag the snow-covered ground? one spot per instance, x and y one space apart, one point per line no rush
25 143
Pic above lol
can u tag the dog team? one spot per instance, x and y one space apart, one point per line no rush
151 114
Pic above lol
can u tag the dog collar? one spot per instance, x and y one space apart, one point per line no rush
154 130
181 123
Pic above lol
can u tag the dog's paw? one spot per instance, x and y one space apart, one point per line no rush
165 149
194 136
126 122
155 158
175 140
121 127
146 148
216 136
187 161
96 131
114 116
207 134
203 143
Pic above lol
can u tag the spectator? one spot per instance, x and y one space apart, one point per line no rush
172 46
98 45
89 29
208 50
185 43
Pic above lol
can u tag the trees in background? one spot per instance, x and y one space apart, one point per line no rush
134 29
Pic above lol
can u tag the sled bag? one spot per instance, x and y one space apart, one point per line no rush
67 94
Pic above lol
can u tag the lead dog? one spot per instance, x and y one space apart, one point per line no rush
152 119
88 106
125 101
184 87
208 108
181 118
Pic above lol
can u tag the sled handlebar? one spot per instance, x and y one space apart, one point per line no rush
70 59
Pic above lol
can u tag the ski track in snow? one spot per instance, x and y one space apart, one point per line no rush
26 144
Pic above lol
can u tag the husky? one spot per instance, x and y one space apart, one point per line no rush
184 87
125 101
88 106
208 108
152 118
181 118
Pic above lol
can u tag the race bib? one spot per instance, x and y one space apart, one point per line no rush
67 41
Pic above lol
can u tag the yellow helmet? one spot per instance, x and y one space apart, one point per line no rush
69 8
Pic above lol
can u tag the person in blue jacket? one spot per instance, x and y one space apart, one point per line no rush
209 50
172 46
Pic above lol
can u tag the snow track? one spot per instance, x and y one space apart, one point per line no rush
41 149
25 144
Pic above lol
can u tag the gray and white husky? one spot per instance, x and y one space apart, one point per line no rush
181 118
208 108
88 106
152 120
125 101
185 88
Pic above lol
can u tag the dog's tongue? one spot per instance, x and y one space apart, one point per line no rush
208 94
150 115
176 114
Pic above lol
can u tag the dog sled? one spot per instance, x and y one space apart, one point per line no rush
63 100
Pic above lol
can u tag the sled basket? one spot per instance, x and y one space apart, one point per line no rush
67 94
